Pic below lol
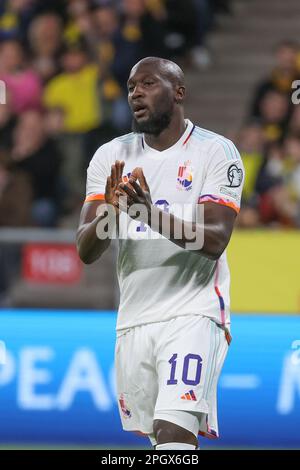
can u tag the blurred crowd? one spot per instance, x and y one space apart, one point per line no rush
270 146
65 64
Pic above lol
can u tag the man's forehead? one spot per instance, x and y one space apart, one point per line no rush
140 70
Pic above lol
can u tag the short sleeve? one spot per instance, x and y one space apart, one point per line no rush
97 173
224 179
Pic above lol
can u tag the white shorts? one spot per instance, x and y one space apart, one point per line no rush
167 366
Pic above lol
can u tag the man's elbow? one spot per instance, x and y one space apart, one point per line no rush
90 252
83 255
82 249
214 255
88 257
214 249
210 251
85 259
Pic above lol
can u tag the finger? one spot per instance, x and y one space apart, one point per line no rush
129 192
119 167
135 173
137 187
139 174
116 204
108 186
143 181
120 191
113 176
122 164
117 164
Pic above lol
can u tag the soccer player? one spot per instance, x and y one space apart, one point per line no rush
173 327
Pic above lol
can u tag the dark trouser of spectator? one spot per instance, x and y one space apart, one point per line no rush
93 139
77 149
204 20
222 6
182 26
10 258
72 150
44 213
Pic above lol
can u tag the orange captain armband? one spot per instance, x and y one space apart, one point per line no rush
218 200
95 197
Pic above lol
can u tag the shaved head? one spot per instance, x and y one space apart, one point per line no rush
156 94
164 67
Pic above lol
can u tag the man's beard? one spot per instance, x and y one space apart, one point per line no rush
155 124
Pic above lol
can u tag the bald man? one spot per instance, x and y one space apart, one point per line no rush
170 192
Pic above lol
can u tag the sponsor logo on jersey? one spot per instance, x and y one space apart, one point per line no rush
125 410
185 177
229 192
190 395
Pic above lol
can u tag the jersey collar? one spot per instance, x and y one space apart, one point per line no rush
180 142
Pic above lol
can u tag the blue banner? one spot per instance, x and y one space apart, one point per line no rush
57 381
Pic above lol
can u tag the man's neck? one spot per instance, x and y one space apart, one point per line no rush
168 136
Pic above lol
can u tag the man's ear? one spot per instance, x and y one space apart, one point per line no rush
179 94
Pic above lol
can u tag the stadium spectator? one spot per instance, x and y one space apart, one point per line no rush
7 124
294 124
182 27
68 62
274 115
14 18
15 187
36 155
279 184
250 142
45 39
84 99
21 80
282 76
15 198
75 90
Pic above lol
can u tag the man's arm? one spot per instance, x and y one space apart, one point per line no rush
90 247
213 230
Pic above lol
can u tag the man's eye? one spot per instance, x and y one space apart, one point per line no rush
148 83
130 89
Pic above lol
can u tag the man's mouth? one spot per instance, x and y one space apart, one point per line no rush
139 111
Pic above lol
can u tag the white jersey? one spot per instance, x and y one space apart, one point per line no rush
159 280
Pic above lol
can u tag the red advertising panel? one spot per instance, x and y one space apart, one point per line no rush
51 263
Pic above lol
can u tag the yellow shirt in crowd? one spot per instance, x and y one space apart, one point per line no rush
76 95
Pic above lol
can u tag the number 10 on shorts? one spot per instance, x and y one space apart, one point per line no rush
190 361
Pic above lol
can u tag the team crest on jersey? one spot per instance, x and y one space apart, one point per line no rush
185 177
125 410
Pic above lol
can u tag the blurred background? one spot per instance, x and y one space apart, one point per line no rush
65 65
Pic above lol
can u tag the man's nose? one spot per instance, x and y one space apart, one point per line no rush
137 92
